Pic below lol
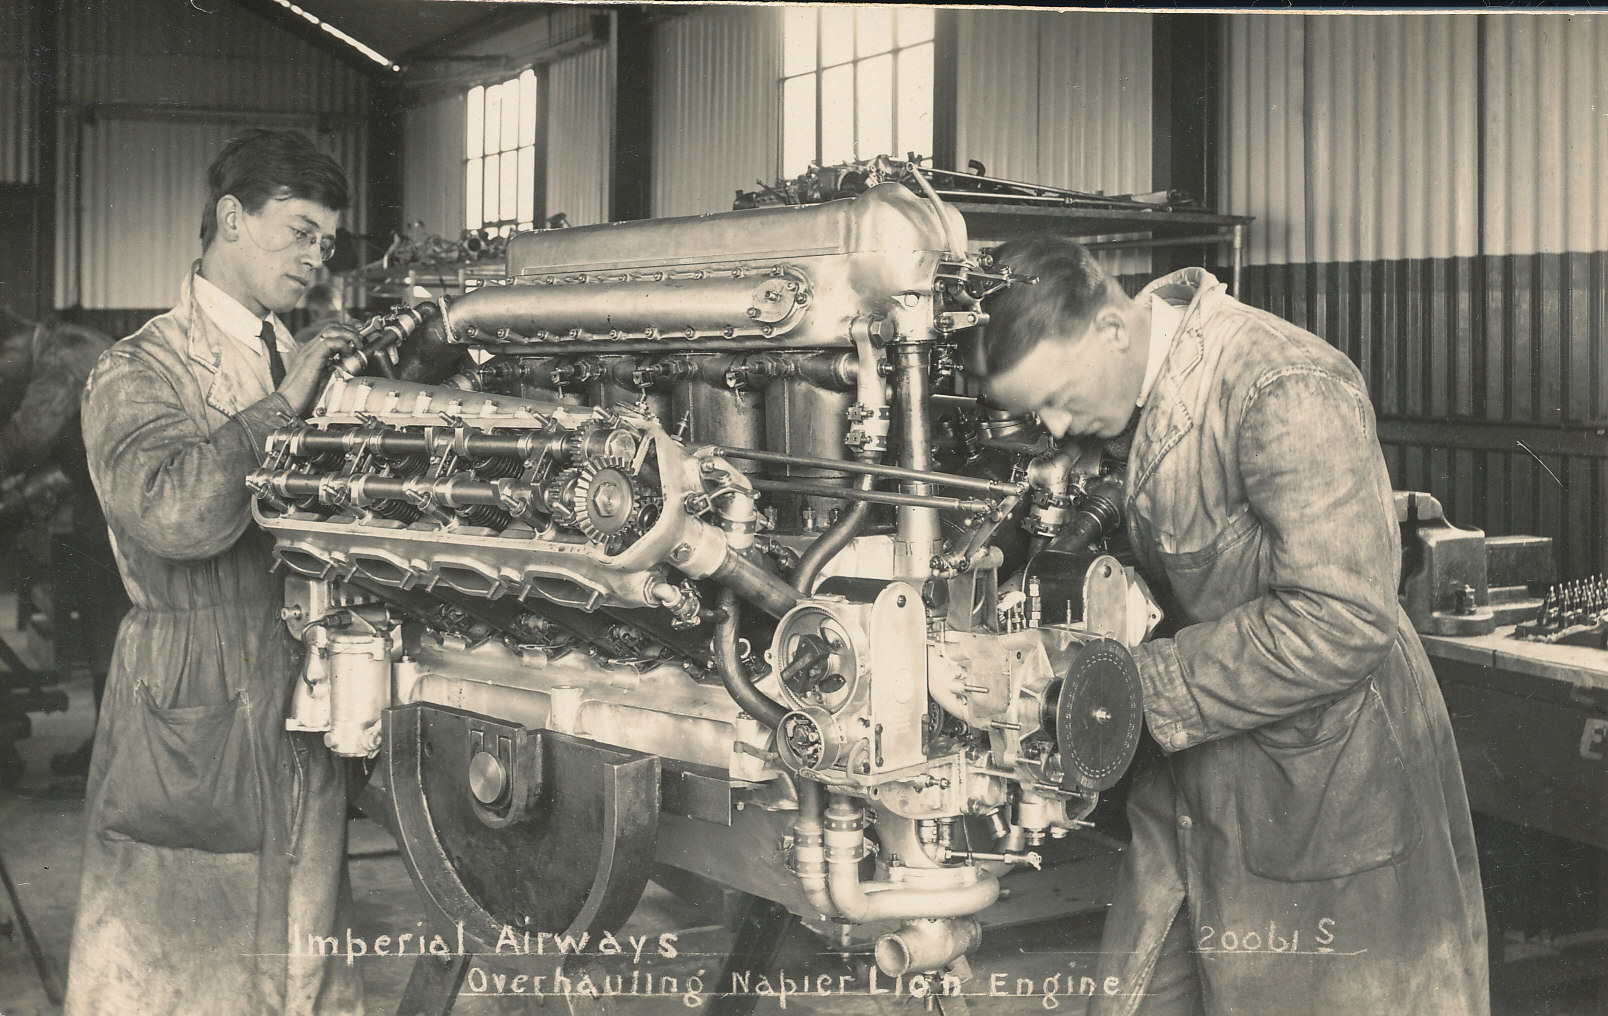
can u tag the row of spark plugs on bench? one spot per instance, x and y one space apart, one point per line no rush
1577 602
455 475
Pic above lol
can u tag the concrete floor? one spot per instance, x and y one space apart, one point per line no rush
41 827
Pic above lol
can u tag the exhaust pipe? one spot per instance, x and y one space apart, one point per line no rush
926 945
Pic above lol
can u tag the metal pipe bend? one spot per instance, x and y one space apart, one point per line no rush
843 833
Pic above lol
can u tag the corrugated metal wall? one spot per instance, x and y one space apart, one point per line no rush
579 99
19 97
1058 98
1352 138
1263 136
128 211
139 187
151 52
714 107
1465 359
432 165
997 84
1362 137
1546 132
142 195
1430 197
580 107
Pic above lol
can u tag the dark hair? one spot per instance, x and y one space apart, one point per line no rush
1070 289
258 165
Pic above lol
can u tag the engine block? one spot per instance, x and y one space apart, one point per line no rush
667 551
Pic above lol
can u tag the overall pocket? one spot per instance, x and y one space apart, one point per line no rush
1324 793
185 777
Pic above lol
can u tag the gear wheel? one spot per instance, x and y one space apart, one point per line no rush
609 507
558 495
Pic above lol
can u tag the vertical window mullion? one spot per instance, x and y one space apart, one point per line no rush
505 157
820 93
893 89
854 87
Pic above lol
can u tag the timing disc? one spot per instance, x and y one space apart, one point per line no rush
1099 715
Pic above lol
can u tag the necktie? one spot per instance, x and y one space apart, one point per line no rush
276 365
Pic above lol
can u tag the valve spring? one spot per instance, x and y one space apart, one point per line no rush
498 467
398 511
485 516
326 461
310 503
409 465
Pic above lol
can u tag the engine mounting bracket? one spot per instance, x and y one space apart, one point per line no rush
504 827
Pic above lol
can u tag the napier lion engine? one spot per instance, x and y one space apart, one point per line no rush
647 557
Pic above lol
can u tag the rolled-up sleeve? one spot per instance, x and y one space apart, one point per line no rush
1314 477
177 490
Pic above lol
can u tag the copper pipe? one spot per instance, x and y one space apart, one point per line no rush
928 501
875 469
732 672
927 945
827 545
809 856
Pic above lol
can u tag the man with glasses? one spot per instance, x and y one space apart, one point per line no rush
216 841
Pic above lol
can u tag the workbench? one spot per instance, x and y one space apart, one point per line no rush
1531 722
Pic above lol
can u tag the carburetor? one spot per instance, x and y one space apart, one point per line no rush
667 551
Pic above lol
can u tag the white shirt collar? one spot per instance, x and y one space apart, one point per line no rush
1164 322
232 317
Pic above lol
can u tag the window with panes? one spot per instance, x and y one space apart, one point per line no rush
500 161
856 83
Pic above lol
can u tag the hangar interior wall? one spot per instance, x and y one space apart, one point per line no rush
1430 196
715 107
1429 189
147 94
576 79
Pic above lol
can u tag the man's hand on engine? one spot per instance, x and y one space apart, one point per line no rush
309 364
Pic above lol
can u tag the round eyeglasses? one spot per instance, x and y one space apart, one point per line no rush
307 238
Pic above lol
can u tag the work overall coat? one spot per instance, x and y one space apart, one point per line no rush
216 841
1309 803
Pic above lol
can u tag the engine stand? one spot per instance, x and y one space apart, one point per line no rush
762 930
433 985
952 1005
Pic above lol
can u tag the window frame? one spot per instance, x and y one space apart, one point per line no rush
506 225
896 52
